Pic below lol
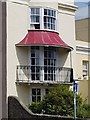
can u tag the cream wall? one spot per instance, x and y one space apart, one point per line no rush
16 30
82 56
79 59
66 28
83 90
17 26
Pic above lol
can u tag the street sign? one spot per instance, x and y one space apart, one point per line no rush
75 87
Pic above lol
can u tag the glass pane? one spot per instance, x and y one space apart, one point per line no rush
48 61
38 76
32 10
52 77
37 11
37 19
49 20
33 91
54 13
49 54
45 53
32 61
45 61
33 76
45 76
49 12
45 11
37 69
37 53
48 25
38 98
46 91
45 69
32 54
33 98
38 91
33 69
37 61
49 77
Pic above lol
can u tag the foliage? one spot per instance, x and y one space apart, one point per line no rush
59 101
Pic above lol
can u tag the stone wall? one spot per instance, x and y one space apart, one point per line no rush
16 110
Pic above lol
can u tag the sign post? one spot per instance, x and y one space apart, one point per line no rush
75 85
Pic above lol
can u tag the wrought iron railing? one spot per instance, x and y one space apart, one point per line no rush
30 74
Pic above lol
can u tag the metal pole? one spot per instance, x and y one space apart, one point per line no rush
74 102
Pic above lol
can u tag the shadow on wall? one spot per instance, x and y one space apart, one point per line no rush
22 55
23 92
63 56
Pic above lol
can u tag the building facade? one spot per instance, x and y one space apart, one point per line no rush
40 47
83 57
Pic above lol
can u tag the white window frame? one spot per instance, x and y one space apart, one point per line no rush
41 22
86 69
37 94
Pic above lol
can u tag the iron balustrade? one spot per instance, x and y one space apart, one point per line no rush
50 74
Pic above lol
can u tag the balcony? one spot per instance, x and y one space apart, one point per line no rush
43 74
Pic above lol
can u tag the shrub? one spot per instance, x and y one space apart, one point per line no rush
59 101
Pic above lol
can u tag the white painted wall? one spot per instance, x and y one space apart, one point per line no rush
16 30
17 26
66 28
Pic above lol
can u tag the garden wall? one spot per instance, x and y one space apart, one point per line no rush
17 111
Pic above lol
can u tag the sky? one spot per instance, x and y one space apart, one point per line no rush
82 11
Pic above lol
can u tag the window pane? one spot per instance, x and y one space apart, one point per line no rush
33 91
38 91
37 61
33 61
54 13
45 53
32 10
32 54
45 69
49 12
33 98
45 61
45 11
37 11
38 76
33 76
37 18
46 91
37 69
38 98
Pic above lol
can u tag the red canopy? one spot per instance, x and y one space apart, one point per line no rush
43 38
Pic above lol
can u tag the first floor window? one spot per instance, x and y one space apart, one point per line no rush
36 95
85 68
43 18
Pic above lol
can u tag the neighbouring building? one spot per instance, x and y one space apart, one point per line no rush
40 47
83 57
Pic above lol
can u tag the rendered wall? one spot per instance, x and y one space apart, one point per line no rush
84 90
66 28
17 28
17 24
82 30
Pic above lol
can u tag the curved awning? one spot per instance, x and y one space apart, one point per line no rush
43 38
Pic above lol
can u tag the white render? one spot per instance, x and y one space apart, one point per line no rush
17 28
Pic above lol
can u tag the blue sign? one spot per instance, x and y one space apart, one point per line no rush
75 87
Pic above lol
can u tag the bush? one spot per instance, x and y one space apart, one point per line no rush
59 101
